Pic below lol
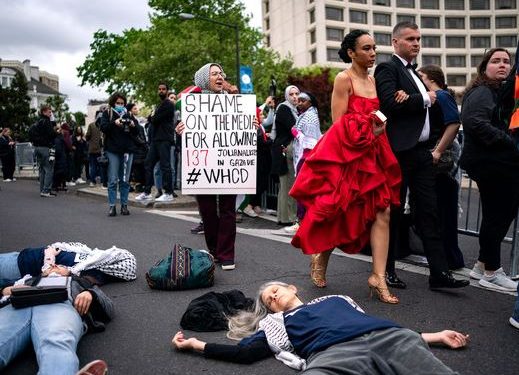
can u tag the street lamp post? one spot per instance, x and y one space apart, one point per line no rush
189 16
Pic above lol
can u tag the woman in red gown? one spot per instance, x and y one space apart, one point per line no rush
351 178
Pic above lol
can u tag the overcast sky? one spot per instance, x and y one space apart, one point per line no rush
55 35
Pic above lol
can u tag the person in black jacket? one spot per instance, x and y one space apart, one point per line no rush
491 158
7 154
411 126
42 135
54 329
119 131
161 136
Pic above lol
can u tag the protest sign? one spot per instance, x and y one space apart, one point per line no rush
219 144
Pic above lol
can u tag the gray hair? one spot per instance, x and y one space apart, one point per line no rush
403 25
246 323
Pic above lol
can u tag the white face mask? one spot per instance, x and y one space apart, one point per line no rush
52 118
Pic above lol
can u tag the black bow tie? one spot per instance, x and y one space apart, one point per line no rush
411 66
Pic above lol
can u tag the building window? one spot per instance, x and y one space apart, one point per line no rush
267 23
430 4
506 41
480 42
505 4
334 14
357 16
382 19
475 60
454 22
479 4
479 22
430 22
268 41
312 37
382 39
313 57
431 60
506 22
455 41
311 15
431 41
332 54
455 4
358 1
334 34
267 6
404 18
405 3
386 3
382 57
456 61
456 79
4 82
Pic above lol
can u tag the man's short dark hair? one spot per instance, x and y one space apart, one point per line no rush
403 25
164 84
45 108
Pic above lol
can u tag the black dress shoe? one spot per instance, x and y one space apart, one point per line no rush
446 280
112 211
124 210
393 281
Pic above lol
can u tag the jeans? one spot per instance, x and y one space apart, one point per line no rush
46 168
93 165
516 307
119 167
54 330
161 152
9 271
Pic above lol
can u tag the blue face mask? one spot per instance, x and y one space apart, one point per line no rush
120 109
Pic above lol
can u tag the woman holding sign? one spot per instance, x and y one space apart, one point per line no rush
218 211
351 177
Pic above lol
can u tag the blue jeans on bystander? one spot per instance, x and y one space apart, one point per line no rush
119 167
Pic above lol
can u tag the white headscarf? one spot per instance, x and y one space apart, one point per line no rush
202 78
287 100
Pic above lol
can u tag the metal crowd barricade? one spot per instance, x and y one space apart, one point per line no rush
469 223
25 156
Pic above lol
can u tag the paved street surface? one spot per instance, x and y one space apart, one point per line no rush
138 340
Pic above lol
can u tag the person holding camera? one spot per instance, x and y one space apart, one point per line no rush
119 130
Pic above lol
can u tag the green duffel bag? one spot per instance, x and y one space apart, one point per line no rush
183 268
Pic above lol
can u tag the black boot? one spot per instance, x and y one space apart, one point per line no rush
124 210
112 211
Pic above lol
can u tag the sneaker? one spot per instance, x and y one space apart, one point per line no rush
199 229
92 184
292 229
13 179
159 194
239 217
514 322
80 181
258 210
8 180
47 195
249 212
228 266
71 183
476 272
143 197
498 281
97 367
104 187
165 198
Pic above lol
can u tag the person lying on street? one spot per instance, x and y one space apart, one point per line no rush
328 335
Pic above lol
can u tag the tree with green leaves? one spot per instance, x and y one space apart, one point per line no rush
15 106
59 107
172 50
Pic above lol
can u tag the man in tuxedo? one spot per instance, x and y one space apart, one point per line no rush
411 128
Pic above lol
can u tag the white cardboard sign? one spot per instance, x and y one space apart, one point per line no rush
219 144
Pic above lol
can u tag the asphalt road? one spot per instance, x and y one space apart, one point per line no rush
138 339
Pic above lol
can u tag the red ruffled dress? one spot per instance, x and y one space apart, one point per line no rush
349 176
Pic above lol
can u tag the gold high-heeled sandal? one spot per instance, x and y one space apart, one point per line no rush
318 265
383 293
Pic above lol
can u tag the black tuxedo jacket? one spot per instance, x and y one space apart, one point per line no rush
405 120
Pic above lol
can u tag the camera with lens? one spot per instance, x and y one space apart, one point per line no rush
126 122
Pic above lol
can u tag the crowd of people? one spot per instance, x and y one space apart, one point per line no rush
393 147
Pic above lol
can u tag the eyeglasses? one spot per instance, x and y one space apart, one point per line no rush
216 74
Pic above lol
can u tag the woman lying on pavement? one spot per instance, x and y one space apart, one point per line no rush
329 335
54 329
69 258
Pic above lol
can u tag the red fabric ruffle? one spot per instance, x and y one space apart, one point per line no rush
349 176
